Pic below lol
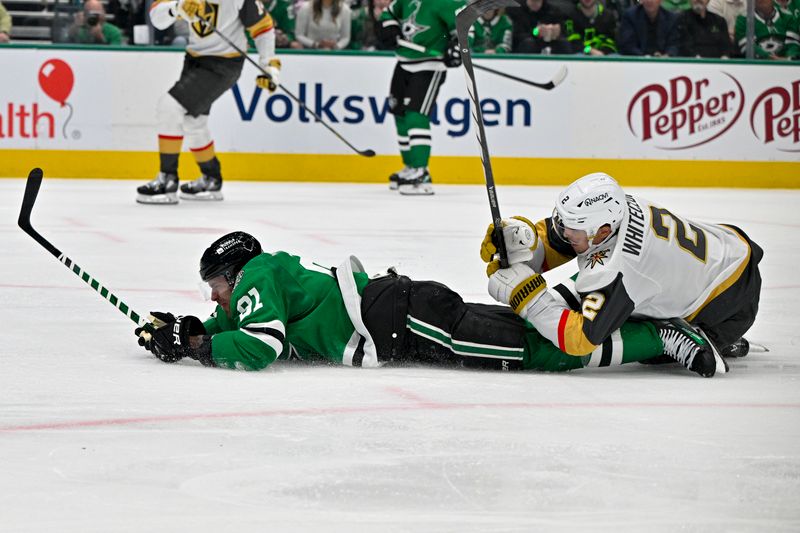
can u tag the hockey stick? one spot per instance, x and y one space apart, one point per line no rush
464 21
29 198
552 84
366 153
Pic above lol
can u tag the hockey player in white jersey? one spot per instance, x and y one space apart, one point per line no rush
636 259
211 67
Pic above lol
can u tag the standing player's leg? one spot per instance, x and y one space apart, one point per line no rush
423 89
163 189
211 79
397 91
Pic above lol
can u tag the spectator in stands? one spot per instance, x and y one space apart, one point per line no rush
494 33
323 24
282 13
702 33
537 28
591 29
776 33
5 25
729 10
790 6
90 26
648 29
676 6
363 35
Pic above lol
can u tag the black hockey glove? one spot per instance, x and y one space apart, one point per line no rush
452 55
388 32
170 342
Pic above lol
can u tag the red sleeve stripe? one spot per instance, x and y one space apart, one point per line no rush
562 326
260 32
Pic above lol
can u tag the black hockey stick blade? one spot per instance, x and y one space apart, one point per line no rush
32 186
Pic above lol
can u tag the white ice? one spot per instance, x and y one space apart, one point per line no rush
97 436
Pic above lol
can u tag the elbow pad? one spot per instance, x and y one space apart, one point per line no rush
163 14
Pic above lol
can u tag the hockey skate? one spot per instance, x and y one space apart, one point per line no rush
162 190
395 177
739 348
689 346
204 188
416 183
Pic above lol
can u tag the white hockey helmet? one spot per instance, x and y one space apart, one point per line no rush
588 204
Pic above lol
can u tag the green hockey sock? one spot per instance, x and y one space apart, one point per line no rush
634 341
402 136
419 139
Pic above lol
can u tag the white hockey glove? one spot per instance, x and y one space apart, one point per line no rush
191 10
518 286
270 83
521 240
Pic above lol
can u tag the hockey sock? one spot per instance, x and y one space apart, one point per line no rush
419 139
402 136
634 341
169 149
207 161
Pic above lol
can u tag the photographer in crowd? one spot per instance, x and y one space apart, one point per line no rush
90 26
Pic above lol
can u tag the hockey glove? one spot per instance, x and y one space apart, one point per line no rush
191 10
171 341
388 32
521 241
518 286
270 83
452 55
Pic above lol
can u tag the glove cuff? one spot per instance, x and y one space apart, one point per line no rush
203 352
526 292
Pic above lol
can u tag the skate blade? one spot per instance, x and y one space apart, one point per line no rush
425 189
206 196
157 199
758 348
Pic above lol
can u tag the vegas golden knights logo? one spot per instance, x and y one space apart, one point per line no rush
209 13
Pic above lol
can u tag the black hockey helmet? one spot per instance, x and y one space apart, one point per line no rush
227 255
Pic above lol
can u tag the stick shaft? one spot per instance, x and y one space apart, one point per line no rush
365 153
28 200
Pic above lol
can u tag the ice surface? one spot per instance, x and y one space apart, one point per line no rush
97 436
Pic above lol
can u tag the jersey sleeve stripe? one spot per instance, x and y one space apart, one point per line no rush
272 338
262 26
571 338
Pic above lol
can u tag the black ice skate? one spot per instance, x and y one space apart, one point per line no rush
161 190
394 178
688 346
739 348
416 183
205 188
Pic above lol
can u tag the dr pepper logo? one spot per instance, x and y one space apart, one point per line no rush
775 117
685 112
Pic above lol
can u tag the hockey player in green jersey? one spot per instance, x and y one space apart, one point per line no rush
777 35
429 29
275 306
494 33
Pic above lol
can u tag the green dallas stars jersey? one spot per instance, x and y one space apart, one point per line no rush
427 23
283 307
493 34
276 303
778 36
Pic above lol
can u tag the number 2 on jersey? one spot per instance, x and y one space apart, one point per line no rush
697 246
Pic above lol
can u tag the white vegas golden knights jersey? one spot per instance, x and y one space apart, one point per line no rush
658 265
229 17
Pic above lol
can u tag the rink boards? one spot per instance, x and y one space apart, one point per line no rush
91 113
